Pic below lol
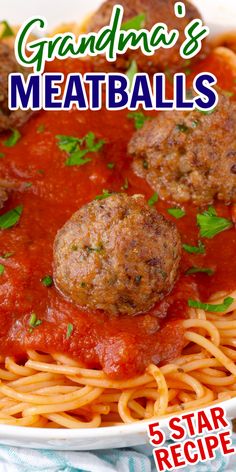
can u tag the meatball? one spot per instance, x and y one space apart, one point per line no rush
189 155
118 255
155 11
8 119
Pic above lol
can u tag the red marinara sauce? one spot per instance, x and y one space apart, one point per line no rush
122 346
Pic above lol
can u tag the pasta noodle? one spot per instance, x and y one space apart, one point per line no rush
55 391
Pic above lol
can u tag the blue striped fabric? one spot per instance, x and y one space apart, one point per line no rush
139 459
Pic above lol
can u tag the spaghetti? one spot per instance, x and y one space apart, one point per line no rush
55 391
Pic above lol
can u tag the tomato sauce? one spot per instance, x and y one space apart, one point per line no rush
50 193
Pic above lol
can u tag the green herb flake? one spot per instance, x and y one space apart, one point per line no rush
34 322
7 30
78 148
182 127
176 212
153 199
139 119
169 75
69 331
210 224
220 308
200 249
145 164
13 138
11 218
196 270
135 23
207 112
41 129
28 184
90 249
47 281
131 72
6 255
110 165
228 93
125 185
2 155
105 194
2 268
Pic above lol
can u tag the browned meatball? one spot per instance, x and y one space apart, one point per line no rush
118 255
8 64
189 155
155 11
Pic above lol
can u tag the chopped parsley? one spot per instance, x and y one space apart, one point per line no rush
145 164
200 249
6 255
9 219
207 112
196 270
228 93
110 165
28 184
78 148
6 31
139 118
125 185
135 23
13 138
220 308
169 75
2 268
90 249
41 129
69 331
2 155
34 322
153 199
105 194
182 127
176 212
210 224
47 281
131 72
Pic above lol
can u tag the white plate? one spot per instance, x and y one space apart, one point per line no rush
220 15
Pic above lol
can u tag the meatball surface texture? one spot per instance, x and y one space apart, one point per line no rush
155 11
189 156
117 255
9 119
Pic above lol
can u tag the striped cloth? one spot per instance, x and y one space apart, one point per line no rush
139 459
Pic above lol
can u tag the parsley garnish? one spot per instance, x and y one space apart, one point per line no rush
207 112
47 281
176 212
131 72
135 23
139 119
13 138
110 165
34 322
2 155
196 270
69 331
2 268
6 255
7 31
145 164
182 127
125 185
153 199
220 308
73 145
90 249
105 194
41 129
210 224
200 249
10 218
